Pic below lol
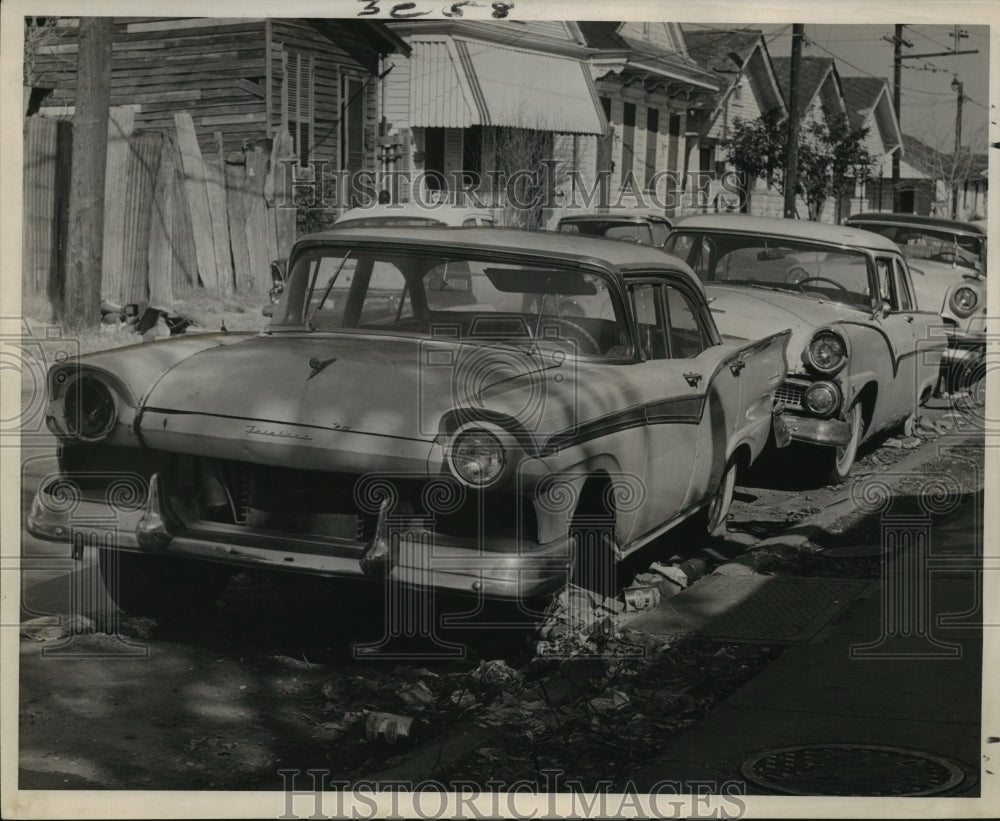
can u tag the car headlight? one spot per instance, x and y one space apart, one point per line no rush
477 457
827 352
822 398
89 409
964 301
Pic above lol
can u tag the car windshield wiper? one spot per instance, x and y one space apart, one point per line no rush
326 293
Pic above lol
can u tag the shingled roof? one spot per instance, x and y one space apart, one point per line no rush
861 94
720 50
812 73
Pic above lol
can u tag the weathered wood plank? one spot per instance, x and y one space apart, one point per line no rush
215 177
120 126
280 184
223 119
177 24
145 149
256 224
197 197
184 275
236 180
161 256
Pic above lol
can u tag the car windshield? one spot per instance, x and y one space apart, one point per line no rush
806 268
612 229
454 296
933 244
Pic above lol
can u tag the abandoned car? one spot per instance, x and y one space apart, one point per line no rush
417 410
947 261
863 353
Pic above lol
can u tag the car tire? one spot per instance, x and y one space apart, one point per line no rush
840 460
160 586
721 501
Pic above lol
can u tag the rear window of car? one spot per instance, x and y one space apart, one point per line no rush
458 296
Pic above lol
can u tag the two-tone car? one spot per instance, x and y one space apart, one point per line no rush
947 261
863 352
375 428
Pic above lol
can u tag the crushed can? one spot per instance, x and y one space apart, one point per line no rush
390 728
641 598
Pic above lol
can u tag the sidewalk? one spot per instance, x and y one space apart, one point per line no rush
819 695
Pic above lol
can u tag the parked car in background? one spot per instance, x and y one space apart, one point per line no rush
646 228
415 215
389 432
862 353
947 260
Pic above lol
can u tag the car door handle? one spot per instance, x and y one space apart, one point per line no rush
693 379
736 367
908 318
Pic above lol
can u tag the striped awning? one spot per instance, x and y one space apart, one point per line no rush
457 83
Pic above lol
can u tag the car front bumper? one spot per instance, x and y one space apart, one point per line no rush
790 427
501 567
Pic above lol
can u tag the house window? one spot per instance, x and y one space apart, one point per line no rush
674 145
472 155
297 102
652 135
434 158
628 139
352 124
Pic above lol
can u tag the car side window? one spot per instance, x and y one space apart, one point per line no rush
903 295
648 306
883 270
659 231
387 298
687 338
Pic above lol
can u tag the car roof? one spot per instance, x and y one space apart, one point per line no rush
918 219
607 253
789 228
631 216
447 213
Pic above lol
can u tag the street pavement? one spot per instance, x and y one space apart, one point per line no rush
902 669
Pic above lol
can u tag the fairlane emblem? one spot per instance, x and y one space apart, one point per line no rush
253 430
318 364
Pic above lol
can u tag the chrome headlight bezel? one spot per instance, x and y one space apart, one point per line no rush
99 391
810 359
824 384
479 436
963 311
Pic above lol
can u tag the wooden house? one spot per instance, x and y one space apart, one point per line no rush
245 79
749 90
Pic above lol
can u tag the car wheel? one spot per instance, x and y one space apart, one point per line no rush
160 586
718 507
842 457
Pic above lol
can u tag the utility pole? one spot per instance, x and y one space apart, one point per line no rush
85 237
897 64
959 88
792 159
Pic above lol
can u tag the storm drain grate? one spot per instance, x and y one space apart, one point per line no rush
852 769
782 609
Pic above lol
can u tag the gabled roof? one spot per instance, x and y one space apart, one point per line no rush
814 73
869 97
720 50
733 53
647 57
861 95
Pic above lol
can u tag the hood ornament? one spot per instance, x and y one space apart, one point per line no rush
318 364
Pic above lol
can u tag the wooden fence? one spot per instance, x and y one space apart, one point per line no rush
177 222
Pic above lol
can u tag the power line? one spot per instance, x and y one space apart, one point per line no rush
876 76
